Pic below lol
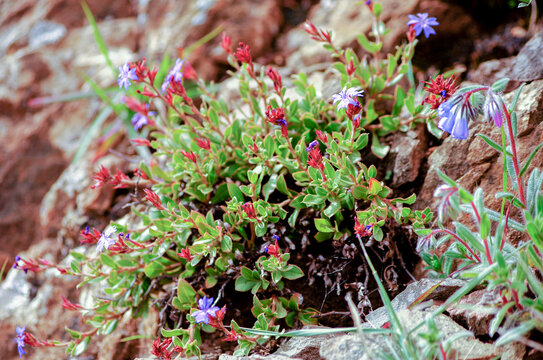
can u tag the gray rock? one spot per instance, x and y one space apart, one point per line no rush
528 65
379 317
46 32
257 357
370 346
303 347
14 293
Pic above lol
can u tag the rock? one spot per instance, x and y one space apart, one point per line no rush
347 347
475 311
29 166
409 150
412 292
490 71
257 357
528 64
306 348
371 346
468 348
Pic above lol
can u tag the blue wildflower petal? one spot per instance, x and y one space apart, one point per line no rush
201 317
20 330
460 129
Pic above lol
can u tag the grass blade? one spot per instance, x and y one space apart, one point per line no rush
97 37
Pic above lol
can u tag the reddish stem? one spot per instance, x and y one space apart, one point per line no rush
514 151
461 241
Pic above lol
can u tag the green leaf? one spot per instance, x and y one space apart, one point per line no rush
332 209
235 192
360 192
377 148
293 272
154 269
324 225
492 144
270 186
108 261
529 159
243 284
500 85
185 292
81 347
375 187
314 199
282 185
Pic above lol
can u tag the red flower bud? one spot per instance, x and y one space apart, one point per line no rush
153 199
321 136
276 78
249 210
189 155
350 68
204 143
185 254
226 43
102 177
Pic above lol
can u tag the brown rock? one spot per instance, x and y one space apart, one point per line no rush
26 173
409 149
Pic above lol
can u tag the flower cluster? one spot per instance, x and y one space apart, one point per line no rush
441 89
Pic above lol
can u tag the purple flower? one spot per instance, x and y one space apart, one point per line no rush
493 108
276 238
174 74
202 315
139 120
106 240
125 75
313 144
346 97
422 22
454 116
20 340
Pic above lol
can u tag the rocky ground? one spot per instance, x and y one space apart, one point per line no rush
46 46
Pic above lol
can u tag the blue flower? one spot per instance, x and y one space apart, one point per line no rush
174 74
202 315
105 240
454 115
313 144
20 340
422 22
493 108
346 97
125 75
